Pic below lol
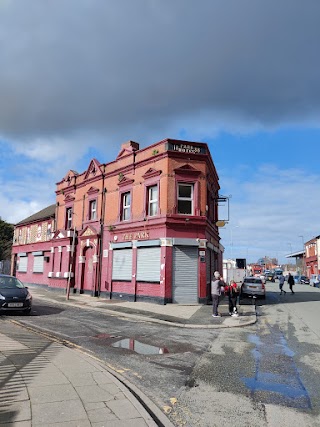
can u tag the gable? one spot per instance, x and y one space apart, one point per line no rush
89 231
70 176
93 169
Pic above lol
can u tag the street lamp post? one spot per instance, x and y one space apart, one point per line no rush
303 256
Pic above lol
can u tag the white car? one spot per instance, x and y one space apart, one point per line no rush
253 287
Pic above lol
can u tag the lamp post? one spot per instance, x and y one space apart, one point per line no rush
71 262
303 256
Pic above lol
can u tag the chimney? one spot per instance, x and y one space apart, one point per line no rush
130 146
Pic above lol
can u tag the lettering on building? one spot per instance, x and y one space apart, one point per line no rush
136 236
187 148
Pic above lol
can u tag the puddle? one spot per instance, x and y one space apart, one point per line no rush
276 379
139 347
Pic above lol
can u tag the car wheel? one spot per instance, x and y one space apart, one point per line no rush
27 312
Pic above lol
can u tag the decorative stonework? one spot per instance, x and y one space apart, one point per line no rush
151 173
88 232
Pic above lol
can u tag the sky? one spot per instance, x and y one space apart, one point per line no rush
80 77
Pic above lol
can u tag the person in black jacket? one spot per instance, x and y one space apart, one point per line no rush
290 282
232 292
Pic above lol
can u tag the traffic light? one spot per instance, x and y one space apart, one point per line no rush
241 263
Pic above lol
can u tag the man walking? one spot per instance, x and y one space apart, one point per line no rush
216 284
291 282
281 283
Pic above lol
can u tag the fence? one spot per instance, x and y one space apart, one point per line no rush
5 266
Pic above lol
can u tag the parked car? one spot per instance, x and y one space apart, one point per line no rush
14 296
253 287
315 280
304 280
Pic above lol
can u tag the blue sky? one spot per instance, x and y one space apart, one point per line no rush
242 76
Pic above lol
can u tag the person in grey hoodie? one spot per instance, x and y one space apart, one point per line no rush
216 284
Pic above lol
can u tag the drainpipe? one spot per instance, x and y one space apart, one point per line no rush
102 218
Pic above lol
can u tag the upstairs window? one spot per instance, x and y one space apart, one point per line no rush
152 200
185 199
68 218
92 209
125 206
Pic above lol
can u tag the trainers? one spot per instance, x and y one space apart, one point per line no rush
216 315
230 314
234 315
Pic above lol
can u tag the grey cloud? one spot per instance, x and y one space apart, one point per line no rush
100 66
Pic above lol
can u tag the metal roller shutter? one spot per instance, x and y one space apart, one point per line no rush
23 264
38 264
148 264
185 275
122 264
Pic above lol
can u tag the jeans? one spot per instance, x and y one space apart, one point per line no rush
215 303
232 303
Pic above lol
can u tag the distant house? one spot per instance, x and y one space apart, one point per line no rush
142 227
312 254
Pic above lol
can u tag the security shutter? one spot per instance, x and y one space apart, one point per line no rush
148 264
122 264
38 264
185 275
23 264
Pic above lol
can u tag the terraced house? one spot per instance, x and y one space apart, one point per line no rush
142 227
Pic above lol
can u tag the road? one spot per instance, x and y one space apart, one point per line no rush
262 375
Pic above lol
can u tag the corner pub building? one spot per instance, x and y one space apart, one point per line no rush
142 228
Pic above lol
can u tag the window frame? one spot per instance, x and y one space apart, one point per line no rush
186 199
151 202
125 208
68 219
93 212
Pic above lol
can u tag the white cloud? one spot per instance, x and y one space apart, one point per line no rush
271 212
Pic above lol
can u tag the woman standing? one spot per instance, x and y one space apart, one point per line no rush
232 292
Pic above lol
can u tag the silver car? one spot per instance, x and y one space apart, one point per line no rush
253 287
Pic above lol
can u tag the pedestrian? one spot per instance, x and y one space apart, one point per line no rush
291 282
281 283
216 284
232 292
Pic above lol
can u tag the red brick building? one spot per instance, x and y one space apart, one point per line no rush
312 256
142 227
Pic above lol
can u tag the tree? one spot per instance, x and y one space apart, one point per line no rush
6 236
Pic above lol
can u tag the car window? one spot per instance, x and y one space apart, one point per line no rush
252 280
10 282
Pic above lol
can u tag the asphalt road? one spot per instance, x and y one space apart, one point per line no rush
262 375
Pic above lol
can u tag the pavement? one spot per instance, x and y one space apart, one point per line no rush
46 382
